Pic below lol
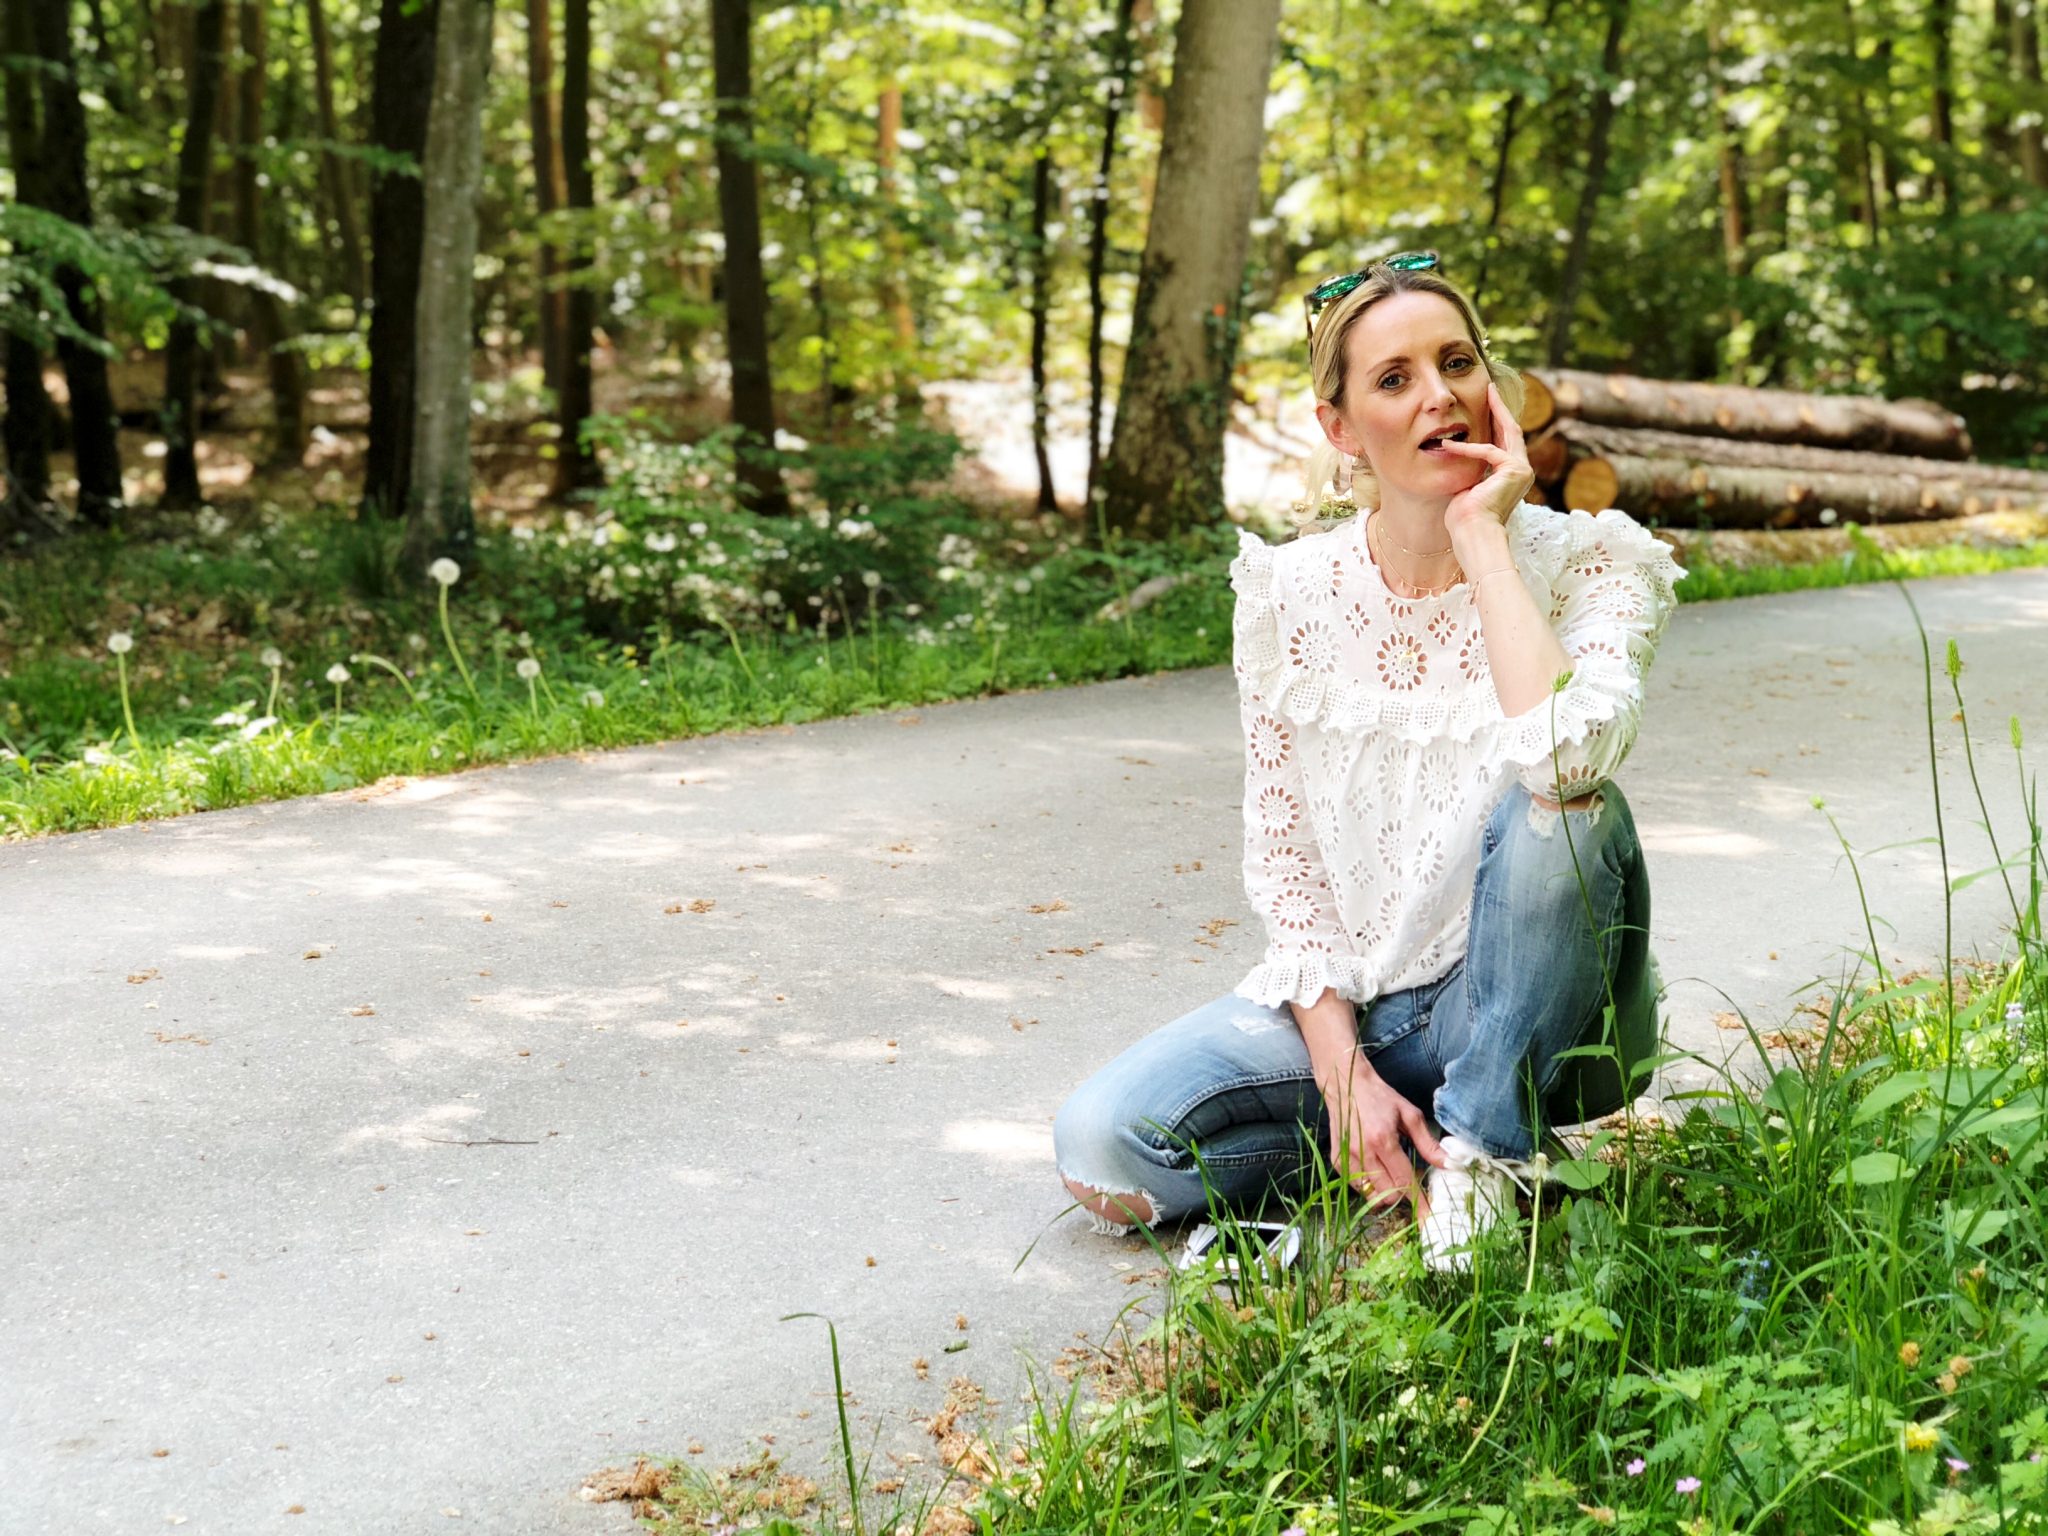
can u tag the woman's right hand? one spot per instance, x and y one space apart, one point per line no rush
1368 1121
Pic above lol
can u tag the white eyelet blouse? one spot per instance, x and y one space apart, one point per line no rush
1376 747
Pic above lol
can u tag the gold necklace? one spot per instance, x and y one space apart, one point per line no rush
1420 591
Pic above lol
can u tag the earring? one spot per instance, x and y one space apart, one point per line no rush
1340 477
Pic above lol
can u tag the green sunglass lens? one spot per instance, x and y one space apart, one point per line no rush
1412 261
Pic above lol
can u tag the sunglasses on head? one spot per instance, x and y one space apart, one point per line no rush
1332 289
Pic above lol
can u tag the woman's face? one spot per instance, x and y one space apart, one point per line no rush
1411 370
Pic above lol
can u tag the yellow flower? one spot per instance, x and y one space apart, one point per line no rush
1922 1437
1909 1353
1959 1367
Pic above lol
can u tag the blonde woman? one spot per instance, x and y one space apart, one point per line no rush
1438 947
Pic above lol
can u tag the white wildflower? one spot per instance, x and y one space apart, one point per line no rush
257 727
337 673
1021 585
593 698
871 579
771 598
120 642
230 717
445 571
272 657
528 668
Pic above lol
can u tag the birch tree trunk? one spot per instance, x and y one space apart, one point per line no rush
439 520
1165 464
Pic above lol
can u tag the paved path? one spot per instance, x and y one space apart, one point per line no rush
239 1222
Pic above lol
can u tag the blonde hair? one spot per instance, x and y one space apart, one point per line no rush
1327 500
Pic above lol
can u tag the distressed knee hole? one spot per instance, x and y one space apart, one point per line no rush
1102 1206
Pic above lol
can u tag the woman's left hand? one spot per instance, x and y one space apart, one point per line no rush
1493 499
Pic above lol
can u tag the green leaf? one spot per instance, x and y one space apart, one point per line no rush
1873 1168
1903 1085
1580 1173
1975 1225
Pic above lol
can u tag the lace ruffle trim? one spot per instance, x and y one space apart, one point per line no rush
1351 704
1302 978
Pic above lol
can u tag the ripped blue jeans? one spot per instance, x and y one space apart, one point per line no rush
1477 1049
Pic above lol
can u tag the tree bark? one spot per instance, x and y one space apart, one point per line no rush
439 517
1576 253
61 187
268 326
26 431
1568 443
550 182
2025 41
895 292
746 284
1775 496
1165 464
576 466
400 97
181 355
334 174
1119 85
1040 301
1730 410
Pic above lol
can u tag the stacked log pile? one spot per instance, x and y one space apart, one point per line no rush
1722 457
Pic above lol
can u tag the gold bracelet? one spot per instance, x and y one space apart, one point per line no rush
1506 570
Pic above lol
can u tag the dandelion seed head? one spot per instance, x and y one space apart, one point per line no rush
120 642
272 657
593 698
528 668
445 571
337 673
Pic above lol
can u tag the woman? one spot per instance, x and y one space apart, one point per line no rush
1436 950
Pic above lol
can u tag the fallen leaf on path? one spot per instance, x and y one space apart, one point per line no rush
1142 762
1215 925
871 1261
1019 1024
643 1482
1055 905
364 1012
312 954
1187 869
159 1453
164 1039
141 976
295 1509
922 1366
889 1485
960 1322
487 917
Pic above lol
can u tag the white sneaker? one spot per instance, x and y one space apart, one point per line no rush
1469 1194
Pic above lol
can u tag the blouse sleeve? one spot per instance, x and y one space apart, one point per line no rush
1285 880
1611 597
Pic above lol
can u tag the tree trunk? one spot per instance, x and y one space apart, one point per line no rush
61 187
550 183
181 355
746 285
576 465
1569 443
1497 195
828 345
2026 64
1940 22
1041 298
26 430
1730 410
1120 52
400 96
1771 496
895 292
267 323
334 175
1576 253
439 518
1165 464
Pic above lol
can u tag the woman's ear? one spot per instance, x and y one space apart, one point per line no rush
1335 430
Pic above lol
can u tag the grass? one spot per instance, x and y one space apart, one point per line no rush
193 718
1814 1298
